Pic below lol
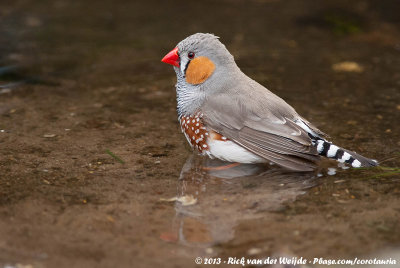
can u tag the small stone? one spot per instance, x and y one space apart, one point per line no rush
209 250
339 181
186 200
49 135
5 90
380 117
254 251
388 130
347 66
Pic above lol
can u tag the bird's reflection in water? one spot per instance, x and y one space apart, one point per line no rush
222 194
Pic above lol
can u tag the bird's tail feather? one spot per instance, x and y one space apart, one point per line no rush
342 155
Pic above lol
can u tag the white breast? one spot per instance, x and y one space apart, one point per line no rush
231 152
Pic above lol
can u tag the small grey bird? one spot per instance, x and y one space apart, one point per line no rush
227 115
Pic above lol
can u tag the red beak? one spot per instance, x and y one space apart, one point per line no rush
172 57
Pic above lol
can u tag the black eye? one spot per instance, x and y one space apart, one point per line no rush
191 55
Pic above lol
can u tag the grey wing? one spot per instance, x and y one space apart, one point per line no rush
271 135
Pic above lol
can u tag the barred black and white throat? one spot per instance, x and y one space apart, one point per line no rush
225 114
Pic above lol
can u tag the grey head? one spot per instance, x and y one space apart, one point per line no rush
191 95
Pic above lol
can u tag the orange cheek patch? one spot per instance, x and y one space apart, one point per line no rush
199 70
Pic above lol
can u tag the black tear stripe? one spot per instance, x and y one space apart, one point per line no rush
184 70
339 154
326 148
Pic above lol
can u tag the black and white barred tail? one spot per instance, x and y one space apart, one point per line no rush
330 150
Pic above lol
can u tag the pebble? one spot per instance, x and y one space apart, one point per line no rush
254 251
348 66
351 122
339 181
209 250
186 200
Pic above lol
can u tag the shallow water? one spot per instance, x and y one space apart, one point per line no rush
94 169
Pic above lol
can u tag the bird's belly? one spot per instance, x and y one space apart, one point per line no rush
231 152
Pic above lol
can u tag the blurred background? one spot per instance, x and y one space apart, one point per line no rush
91 150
